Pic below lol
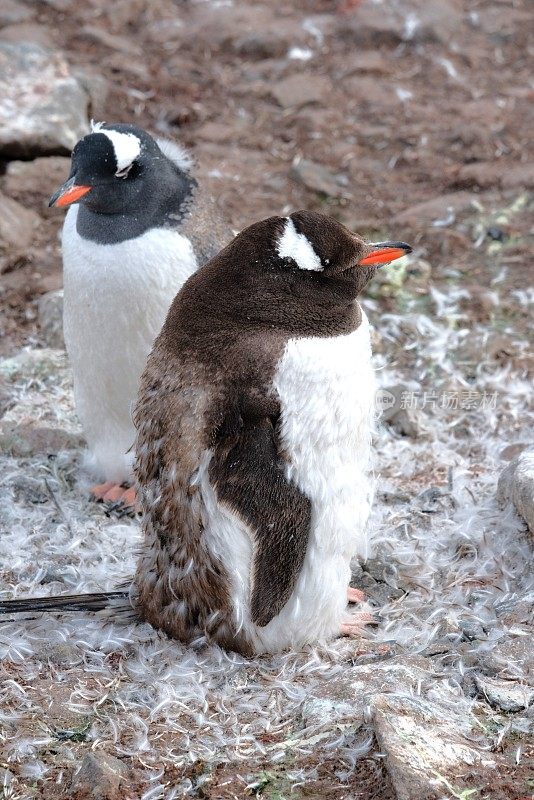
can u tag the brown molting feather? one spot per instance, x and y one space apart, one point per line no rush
207 390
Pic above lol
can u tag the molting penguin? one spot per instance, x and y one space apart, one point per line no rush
140 228
254 425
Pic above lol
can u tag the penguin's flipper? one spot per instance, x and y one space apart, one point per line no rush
247 473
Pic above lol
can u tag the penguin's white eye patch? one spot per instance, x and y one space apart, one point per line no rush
126 147
297 247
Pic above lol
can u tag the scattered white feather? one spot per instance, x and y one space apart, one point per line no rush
176 153
145 697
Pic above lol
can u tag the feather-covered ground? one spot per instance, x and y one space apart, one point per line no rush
404 119
407 706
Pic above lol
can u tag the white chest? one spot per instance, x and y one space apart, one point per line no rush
326 389
116 298
140 276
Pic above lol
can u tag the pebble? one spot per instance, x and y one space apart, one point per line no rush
100 777
300 89
50 317
317 178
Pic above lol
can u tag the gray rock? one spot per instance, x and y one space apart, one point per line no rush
347 699
100 777
50 317
516 485
426 742
505 695
511 658
43 365
301 89
27 440
318 178
13 12
43 107
394 403
17 224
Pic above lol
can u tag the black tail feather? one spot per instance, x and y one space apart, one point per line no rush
96 601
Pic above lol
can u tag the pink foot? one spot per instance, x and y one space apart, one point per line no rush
116 494
99 491
355 623
355 595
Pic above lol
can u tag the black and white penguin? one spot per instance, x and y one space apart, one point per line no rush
140 227
254 430
254 425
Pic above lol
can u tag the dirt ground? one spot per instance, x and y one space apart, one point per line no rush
406 120
441 119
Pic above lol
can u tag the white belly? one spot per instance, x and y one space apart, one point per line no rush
116 298
326 389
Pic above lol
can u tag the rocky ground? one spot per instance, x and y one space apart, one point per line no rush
405 119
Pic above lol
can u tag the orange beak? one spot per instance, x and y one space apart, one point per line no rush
384 252
69 193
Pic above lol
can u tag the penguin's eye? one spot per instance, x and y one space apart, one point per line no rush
123 173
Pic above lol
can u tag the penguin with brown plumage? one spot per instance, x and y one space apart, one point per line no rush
253 441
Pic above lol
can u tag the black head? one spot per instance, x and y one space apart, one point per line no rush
300 273
315 242
120 169
315 248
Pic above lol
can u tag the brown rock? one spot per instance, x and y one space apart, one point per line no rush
28 32
123 44
494 173
100 777
511 451
512 657
7 400
218 132
17 225
300 89
368 61
371 26
318 178
36 179
424 214
22 441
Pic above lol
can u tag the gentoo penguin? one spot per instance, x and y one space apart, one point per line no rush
253 443
141 226
254 425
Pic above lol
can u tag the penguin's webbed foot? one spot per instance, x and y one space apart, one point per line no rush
118 497
355 595
354 624
356 620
